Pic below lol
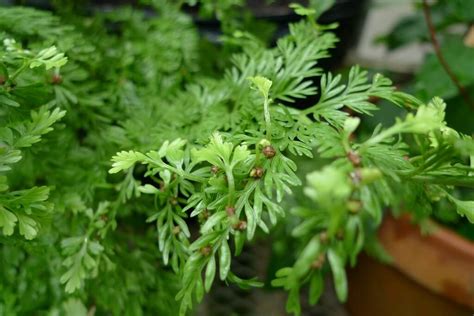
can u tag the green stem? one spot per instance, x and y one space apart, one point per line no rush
471 158
231 183
309 110
179 172
447 180
258 151
381 136
268 123
431 162
18 72
190 176
424 155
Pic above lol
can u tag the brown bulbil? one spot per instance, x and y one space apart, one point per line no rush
214 169
373 99
340 234
162 186
206 251
356 177
205 214
56 79
176 230
354 158
269 152
2 80
319 262
354 206
241 225
230 210
174 201
104 217
323 237
257 172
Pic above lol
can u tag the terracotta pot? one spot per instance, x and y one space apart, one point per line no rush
430 274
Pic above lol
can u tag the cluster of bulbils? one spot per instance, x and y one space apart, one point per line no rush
257 172
269 152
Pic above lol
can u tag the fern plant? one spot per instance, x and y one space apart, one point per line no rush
444 72
201 163
21 128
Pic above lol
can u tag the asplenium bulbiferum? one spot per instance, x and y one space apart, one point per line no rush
218 153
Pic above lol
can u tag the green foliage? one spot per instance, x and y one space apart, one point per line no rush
432 79
452 26
61 123
200 164
459 57
27 208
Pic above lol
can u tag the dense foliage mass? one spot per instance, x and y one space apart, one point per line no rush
446 73
201 160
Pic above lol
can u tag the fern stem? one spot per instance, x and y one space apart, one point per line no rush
439 54
382 135
18 72
447 180
268 123
231 184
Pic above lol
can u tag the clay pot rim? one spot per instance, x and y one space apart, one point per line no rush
449 237
448 251
440 234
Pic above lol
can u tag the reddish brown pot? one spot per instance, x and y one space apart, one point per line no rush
430 274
